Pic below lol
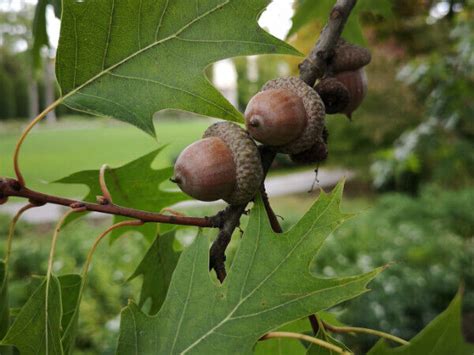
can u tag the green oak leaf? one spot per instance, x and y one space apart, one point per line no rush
269 284
440 337
37 328
130 59
71 299
157 268
134 185
310 11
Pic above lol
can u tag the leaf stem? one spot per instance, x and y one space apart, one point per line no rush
16 165
103 184
378 333
50 266
11 232
99 239
313 340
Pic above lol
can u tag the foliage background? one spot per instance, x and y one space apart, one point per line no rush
411 143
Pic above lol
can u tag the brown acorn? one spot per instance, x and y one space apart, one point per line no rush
349 57
275 117
346 71
287 115
355 82
225 164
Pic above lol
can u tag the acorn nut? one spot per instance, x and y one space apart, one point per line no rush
347 72
355 82
287 115
225 164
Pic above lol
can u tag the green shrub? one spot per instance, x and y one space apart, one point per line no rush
428 245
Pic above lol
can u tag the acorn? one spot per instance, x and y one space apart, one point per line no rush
346 71
225 164
355 82
287 115
348 57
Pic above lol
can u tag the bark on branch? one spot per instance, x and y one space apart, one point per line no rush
11 187
315 64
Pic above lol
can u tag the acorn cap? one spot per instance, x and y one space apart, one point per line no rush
348 57
316 154
249 171
334 94
314 109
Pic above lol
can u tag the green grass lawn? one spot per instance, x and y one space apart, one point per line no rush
53 151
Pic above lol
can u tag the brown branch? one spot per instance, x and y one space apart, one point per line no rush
315 64
231 219
11 187
268 156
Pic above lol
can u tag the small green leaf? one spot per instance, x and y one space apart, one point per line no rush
134 185
156 268
130 59
71 298
268 285
440 337
36 329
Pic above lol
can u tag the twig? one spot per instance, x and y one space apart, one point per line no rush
313 340
231 217
268 156
16 154
378 333
103 185
11 187
315 64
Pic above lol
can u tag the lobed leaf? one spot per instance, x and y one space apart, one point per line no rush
36 329
157 267
134 185
130 59
268 285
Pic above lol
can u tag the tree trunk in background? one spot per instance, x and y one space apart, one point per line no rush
34 99
49 88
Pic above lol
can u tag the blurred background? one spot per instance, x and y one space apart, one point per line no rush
408 154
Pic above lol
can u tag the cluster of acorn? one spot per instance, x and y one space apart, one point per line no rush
287 115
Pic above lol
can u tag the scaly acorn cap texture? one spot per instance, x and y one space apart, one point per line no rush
334 94
316 154
249 171
349 57
314 109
